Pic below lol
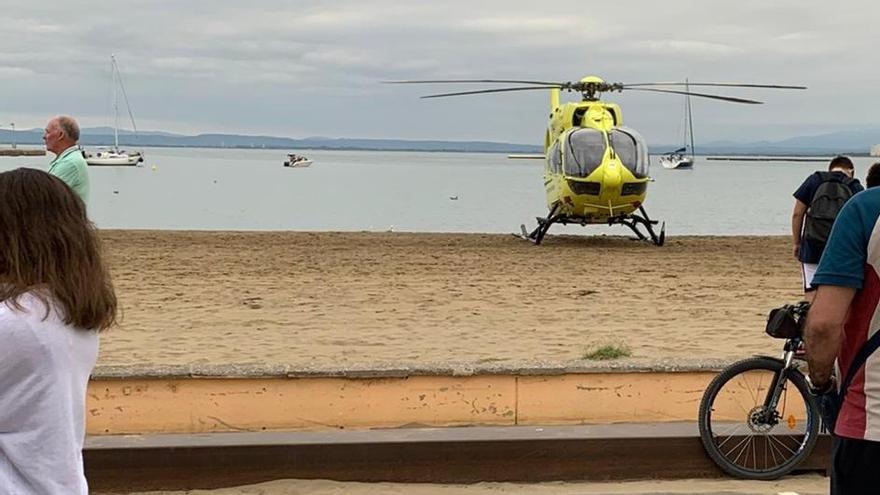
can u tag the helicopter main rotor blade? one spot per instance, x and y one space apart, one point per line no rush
701 95
502 81
728 85
498 90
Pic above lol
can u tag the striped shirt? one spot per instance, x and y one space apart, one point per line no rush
852 259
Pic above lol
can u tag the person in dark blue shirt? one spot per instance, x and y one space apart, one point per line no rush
809 251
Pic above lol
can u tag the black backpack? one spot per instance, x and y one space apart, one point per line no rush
827 202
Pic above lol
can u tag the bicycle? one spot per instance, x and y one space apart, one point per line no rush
750 425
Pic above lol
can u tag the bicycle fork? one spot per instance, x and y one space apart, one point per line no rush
777 386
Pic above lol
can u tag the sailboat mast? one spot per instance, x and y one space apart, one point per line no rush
690 121
115 105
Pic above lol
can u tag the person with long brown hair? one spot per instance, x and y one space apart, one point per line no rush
55 296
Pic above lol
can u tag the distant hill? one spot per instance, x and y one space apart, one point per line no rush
103 136
845 142
856 142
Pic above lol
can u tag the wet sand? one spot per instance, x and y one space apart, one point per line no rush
346 299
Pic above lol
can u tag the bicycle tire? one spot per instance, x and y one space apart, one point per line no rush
799 449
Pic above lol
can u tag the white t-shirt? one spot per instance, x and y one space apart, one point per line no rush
44 370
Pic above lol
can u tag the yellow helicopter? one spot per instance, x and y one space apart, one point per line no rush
596 169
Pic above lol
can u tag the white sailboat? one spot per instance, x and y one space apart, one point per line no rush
115 156
683 158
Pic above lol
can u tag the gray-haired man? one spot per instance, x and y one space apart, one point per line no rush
61 135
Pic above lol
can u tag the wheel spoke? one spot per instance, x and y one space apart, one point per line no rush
745 447
780 442
774 451
732 435
766 443
730 429
754 456
797 441
745 379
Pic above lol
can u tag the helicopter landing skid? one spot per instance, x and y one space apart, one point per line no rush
632 221
544 224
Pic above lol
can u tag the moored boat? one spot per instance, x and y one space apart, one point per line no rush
115 157
683 158
297 161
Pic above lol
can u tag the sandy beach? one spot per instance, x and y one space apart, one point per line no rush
803 485
327 299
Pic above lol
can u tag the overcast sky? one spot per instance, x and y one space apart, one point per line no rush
308 68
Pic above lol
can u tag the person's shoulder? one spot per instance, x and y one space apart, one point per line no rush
78 159
34 304
868 199
72 156
855 185
16 323
811 182
815 178
862 210
32 309
9 315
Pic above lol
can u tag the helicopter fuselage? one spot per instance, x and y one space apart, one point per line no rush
595 169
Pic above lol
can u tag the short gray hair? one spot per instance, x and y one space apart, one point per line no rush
69 126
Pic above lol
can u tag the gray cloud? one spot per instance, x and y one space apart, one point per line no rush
306 68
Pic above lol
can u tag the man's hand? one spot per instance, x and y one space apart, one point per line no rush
796 250
819 388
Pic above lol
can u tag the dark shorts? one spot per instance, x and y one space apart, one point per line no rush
854 467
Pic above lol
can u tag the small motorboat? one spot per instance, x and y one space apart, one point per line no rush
297 161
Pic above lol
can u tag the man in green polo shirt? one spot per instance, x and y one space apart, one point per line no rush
61 135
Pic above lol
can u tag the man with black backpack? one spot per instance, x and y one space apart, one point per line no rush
817 203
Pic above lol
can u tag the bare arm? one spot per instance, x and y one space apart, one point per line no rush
797 224
825 329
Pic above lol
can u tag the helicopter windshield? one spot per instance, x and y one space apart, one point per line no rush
631 149
584 150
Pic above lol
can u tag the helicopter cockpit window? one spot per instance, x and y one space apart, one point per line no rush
555 158
584 150
631 149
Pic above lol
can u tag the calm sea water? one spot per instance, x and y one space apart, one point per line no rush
212 189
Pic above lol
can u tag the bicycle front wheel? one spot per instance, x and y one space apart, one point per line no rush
751 436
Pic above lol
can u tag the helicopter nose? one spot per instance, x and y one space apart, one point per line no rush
613 177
